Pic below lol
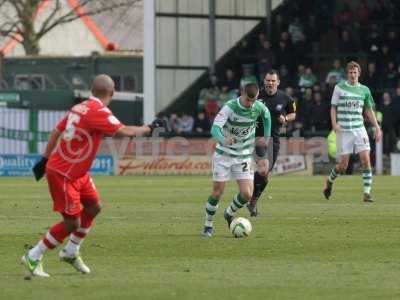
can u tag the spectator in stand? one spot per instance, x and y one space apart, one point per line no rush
290 91
380 11
363 13
185 124
265 59
201 124
392 40
302 49
174 123
248 75
211 110
388 123
337 73
284 55
344 18
310 28
304 104
317 88
261 39
395 12
285 37
318 114
396 110
323 13
301 70
396 102
279 25
225 96
346 44
372 44
285 77
296 30
372 79
390 76
212 90
308 79
210 93
385 55
230 80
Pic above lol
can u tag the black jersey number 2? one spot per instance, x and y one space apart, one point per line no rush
245 167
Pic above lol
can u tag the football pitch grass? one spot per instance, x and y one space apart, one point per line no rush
146 243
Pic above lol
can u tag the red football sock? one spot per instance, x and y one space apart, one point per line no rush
83 230
56 235
77 237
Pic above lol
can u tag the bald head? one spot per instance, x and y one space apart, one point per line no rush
103 87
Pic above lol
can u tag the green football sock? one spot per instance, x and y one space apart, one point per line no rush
367 181
237 203
211 209
333 175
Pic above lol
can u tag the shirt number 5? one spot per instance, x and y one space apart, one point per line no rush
70 128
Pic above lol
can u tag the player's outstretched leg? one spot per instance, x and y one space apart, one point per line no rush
329 182
237 203
55 236
366 175
260 184
367 185
340 168
211 209
70 253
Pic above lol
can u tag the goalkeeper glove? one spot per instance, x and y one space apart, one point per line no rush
40 168
157 123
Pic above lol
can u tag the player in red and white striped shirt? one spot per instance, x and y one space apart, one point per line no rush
67 159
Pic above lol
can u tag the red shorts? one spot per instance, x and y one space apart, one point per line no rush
69 195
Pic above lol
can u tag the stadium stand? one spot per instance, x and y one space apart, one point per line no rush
361 30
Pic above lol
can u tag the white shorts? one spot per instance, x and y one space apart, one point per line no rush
225 168
352 141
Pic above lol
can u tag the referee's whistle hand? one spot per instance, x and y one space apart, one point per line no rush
282 119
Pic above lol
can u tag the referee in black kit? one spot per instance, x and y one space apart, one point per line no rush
283 110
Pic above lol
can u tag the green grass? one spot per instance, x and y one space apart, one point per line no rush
146 243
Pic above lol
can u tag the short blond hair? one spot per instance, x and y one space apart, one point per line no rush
352 65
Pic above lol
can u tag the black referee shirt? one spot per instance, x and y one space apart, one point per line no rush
278 104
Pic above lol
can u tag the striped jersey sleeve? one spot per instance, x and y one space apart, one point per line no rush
335 96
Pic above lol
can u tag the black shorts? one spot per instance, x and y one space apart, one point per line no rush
272 151
259 128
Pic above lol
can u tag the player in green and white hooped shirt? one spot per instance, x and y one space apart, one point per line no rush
234 129
350 100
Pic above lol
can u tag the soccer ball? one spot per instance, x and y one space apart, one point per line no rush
240 227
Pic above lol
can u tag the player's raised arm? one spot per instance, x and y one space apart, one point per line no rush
132 131
219 122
